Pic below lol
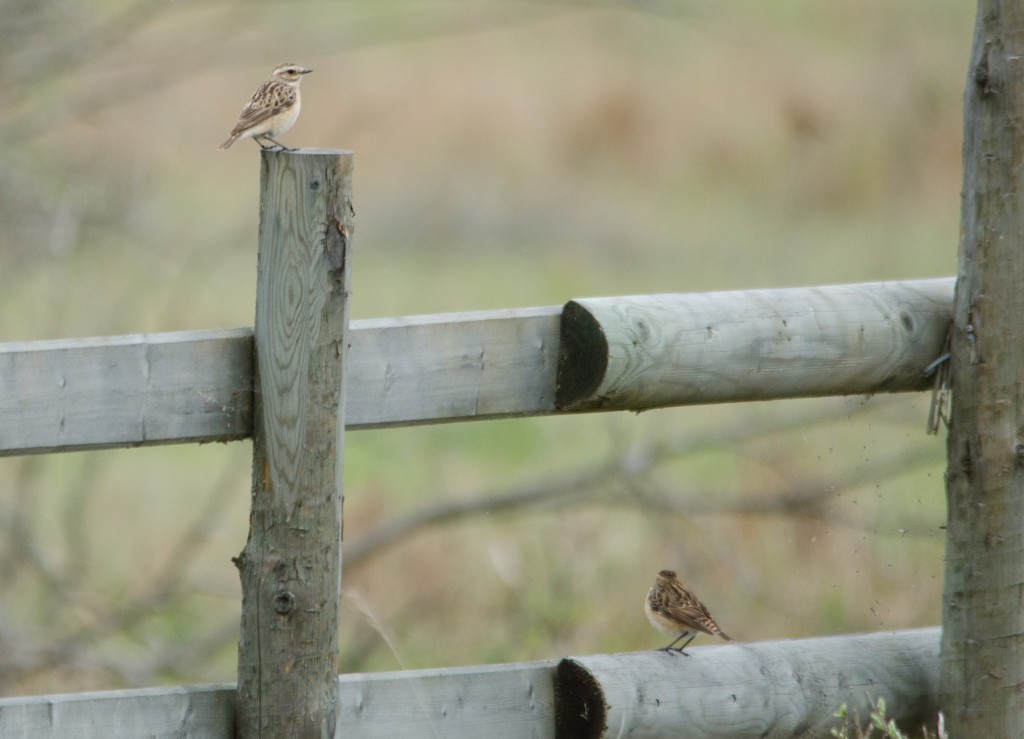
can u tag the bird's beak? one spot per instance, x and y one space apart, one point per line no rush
305 71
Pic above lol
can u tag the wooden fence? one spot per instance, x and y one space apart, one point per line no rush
196 386
303 376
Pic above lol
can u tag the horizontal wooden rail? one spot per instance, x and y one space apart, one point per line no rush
131 390
197 386
767 689
652 351
495 701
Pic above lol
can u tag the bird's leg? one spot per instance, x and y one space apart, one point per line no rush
283 147
676 641
262 146
673 649
680 649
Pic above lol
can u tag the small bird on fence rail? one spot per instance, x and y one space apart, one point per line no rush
675 611
272 109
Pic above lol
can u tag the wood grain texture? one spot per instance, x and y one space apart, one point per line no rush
649 351
493 701
291 565
192 712
143 389
763 690
457 366
983 627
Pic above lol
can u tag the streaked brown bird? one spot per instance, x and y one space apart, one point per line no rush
675 611
272 109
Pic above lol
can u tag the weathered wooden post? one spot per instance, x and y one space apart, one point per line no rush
982 656
291 565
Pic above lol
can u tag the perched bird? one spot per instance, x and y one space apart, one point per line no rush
675 611
272 109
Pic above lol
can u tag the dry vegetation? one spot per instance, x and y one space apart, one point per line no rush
507 155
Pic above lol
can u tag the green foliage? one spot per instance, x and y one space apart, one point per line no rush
886 727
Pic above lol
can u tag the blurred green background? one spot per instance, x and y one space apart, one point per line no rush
507 155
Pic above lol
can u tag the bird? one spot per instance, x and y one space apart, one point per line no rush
675 611
272 109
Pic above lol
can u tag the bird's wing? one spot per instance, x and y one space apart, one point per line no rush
692 613
269 100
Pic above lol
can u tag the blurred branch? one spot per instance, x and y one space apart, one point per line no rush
803 499
632 470
24 655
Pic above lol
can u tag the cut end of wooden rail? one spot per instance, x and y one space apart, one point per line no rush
655 351
580 708
582 356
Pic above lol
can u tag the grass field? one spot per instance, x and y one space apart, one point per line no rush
507 155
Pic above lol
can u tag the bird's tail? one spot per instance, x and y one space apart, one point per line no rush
231 139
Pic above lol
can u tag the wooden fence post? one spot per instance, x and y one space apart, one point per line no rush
291 565
982 655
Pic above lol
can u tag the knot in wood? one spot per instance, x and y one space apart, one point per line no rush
907 321
284 602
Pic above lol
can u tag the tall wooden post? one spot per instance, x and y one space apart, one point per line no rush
291 565
982 657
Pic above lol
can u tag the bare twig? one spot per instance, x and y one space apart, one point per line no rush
634 466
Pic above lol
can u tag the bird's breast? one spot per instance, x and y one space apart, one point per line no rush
662 623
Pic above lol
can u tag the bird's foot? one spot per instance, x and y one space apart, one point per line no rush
273 146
